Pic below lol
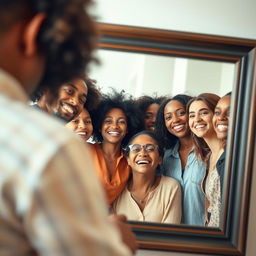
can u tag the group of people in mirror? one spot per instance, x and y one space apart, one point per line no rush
159 159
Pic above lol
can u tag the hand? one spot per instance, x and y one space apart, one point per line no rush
127 235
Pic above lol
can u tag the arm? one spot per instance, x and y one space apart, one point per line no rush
128 237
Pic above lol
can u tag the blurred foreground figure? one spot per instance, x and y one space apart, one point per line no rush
51 203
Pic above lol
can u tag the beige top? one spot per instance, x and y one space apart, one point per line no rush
163 204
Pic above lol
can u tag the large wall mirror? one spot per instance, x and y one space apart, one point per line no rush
191 63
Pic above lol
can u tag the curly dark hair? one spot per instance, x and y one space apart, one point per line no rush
150 134
67 36
93 95
169 140
145 101
122 101
201 148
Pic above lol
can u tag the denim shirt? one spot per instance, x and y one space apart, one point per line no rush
193 210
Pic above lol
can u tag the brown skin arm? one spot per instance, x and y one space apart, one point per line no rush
128 237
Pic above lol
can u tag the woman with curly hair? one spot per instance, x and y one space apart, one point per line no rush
149 106
117 120
210 149
179 160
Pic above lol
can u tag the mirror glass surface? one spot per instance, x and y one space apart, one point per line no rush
148 74
145 74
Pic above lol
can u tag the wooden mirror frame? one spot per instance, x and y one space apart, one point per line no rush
230 239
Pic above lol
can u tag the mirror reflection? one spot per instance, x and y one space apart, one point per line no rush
159 154
144 74
179 99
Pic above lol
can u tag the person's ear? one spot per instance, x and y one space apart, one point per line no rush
31 32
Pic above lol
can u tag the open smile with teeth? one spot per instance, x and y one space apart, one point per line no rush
222 127
140 162
178 128
200 126
68 108
82 133
114 133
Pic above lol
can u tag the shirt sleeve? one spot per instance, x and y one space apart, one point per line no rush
68 211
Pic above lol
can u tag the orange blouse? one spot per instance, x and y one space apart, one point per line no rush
120 175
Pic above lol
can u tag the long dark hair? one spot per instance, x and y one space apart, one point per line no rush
169 140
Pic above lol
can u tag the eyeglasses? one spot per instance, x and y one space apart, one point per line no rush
137 147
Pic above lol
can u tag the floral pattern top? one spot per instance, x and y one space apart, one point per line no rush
213 194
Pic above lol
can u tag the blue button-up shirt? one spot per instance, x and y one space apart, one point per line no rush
193 212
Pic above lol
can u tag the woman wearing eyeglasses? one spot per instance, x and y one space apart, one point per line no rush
147 196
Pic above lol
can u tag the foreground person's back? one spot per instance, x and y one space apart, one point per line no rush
51 203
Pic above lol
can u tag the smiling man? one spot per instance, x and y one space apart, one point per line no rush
67 102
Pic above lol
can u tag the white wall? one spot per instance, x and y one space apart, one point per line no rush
235 18
220 17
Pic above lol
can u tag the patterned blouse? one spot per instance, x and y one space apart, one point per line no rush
213 194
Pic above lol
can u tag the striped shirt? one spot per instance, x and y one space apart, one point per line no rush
51 202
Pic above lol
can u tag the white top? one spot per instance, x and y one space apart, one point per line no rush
163 204
51 202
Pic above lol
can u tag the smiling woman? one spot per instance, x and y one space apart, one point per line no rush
117 120
210 150
179 160
221 117
148 197
149 107
82 125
